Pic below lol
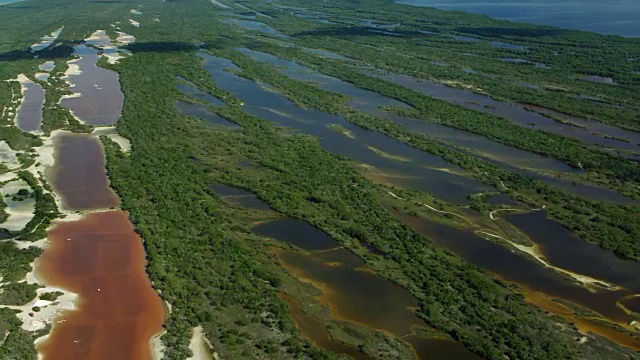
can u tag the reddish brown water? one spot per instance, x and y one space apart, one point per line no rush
101 259
79 175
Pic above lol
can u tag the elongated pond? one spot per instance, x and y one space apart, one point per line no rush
101 259
587 131
536 279
528 163
97 254
29 115
369 101
408 166
79 175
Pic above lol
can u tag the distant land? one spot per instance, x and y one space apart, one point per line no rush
615 17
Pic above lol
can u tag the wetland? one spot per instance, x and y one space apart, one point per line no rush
250 184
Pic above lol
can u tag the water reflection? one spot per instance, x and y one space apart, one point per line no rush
312 329
78 174
370 101
297 233
503 155
556 242
353 291
199 94
101 259
362 99
256 26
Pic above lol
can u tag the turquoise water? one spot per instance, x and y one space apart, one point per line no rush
619 17
3 2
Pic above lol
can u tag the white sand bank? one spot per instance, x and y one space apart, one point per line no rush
200 346
20 211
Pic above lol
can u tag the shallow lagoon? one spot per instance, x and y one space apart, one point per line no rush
588 131
531 164
415 168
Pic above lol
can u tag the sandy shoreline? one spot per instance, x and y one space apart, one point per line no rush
38 313
49 311
588 281
200 346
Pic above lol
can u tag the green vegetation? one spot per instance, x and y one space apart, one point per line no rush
17 293
45 212
15 263
285 176
611 226
18 343
51 296
569 151
566 54
202 255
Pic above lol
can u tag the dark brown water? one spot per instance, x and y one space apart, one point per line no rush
298 233
355 293
240 197
101 259
352 290
487 255
312 329
568 251
29 115
632 304
100 101
79 174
